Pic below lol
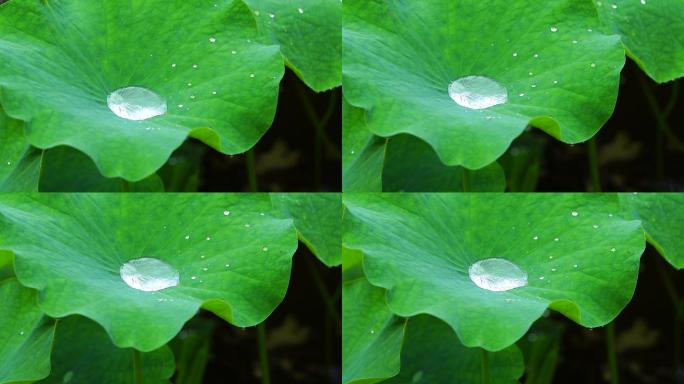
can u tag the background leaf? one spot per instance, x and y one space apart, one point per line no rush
580 257
363 154
309 33
84 354
650 31
411 165
60 61
233 258
661 217
371 335
318 218
19 163
400 58
68 170
433 354
25 333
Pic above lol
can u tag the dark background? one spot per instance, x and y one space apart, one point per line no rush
293 156
633 155
304 340
648 346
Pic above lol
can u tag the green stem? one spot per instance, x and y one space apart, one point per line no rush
484 368
467 186
610 348
319 124
251 171
137 367
679 311
263 353
594 165
330 305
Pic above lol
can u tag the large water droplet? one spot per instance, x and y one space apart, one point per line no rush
136 103
149 274
497 275
477 92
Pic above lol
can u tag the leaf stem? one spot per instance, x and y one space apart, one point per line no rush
484 368
263 353
679 311
330 305
610 348
467 185
137 367
251 171
592 150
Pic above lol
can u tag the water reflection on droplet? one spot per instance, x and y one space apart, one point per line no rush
497 275
136 103
477 92
149 274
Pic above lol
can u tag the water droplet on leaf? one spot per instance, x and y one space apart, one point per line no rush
477 92
497 275
136 103
148 274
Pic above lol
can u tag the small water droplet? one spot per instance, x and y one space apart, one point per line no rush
226 213
541 277
193 278
515 54
212 40
612 249
595 226
536 56
194 66
535 238
208 238
497 275
556 239
477 92
173 65
553 269
300 10
251 75
205 269
148 274
271 15
614 6
187 237
554 29
575 266
264 249
574 213
136 103
247 225
593 65
227 265
67 377
643 2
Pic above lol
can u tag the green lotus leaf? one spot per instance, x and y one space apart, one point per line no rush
19 163
224 253
25 333
371 334
411 165
317 217
202 72
427 337
68 170
363 154
489 265
661 217
84 354
408 63
649 31
309 33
